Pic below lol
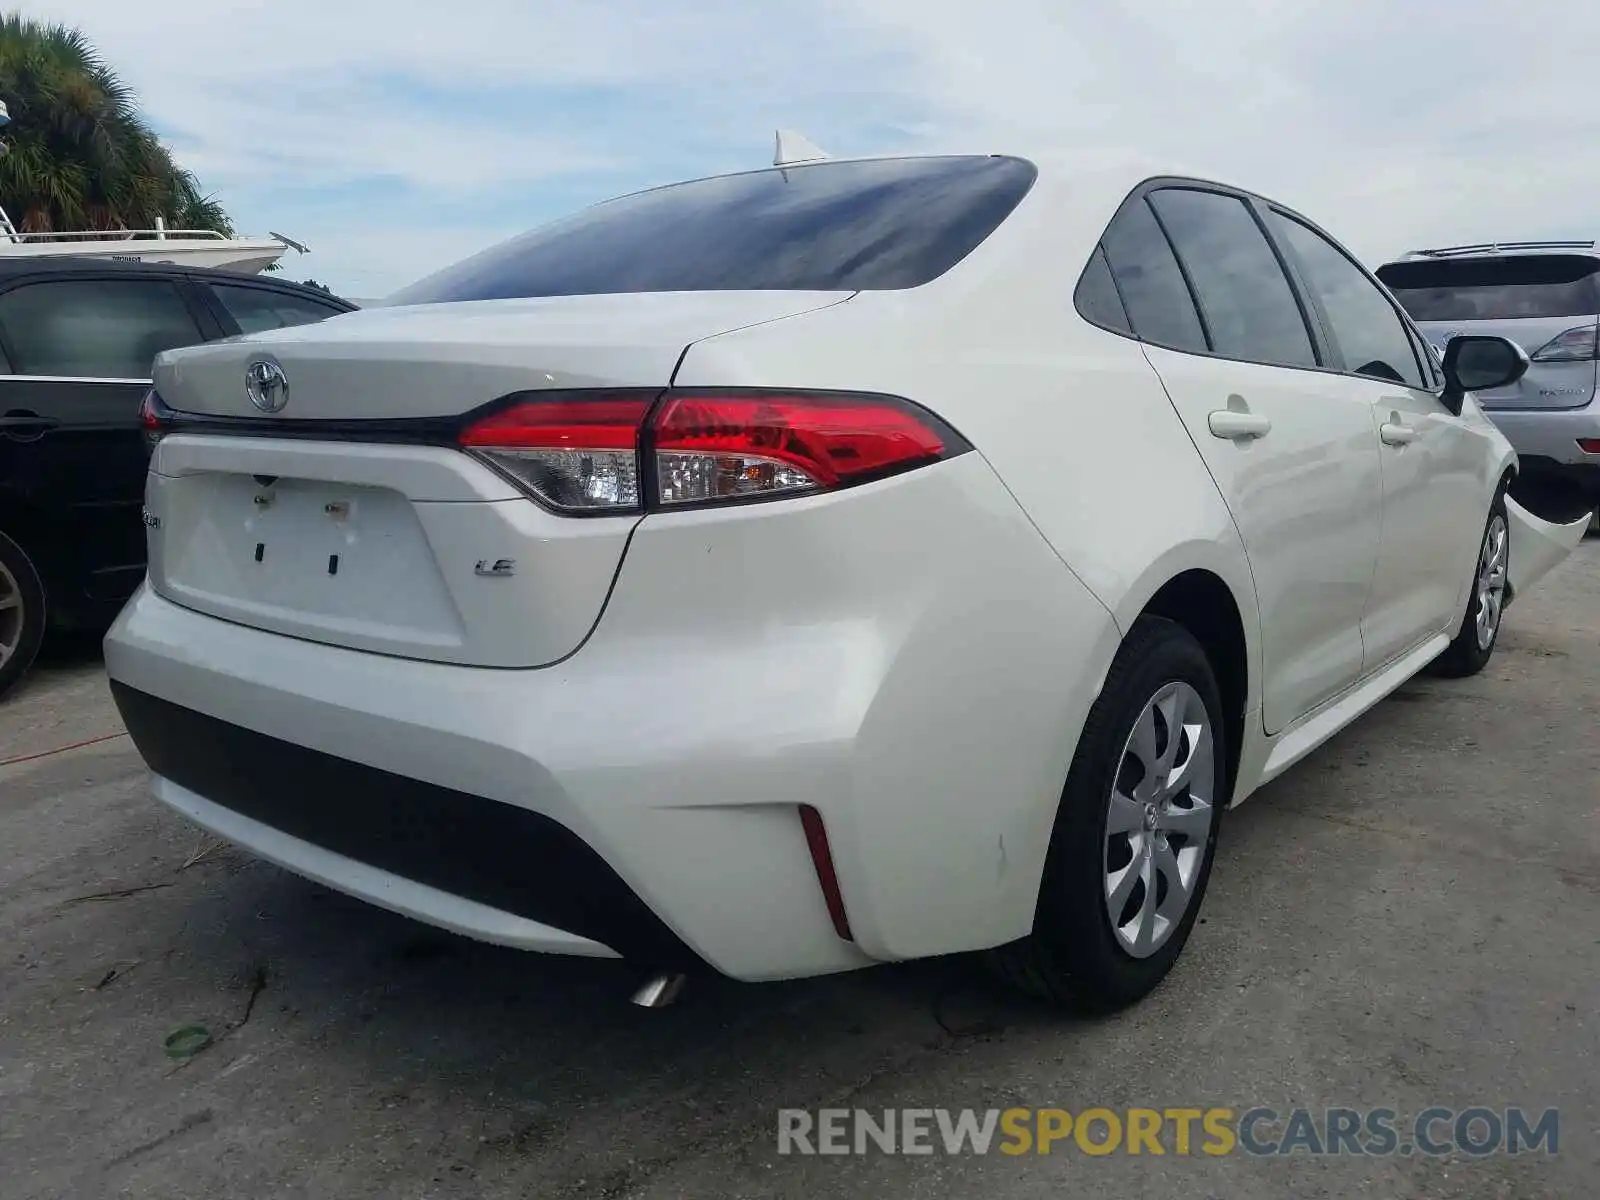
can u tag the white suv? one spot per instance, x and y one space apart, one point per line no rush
806 568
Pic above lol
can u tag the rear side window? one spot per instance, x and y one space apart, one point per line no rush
1096 296
839 226
94 328
255 309
1159 305
1491 289
1250 310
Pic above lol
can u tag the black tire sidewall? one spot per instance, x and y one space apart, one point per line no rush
1072 918
31 586
1465 656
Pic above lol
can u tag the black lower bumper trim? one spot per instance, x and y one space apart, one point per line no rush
496 854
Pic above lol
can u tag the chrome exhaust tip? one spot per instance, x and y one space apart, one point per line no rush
659 991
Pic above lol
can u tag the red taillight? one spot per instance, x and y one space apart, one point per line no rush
577 454
598 422
736 446
584 453
827 876
153 418
1589 445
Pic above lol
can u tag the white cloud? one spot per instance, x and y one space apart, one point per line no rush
394 142
326 119
1392 123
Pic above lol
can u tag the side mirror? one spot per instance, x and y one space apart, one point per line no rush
1476 363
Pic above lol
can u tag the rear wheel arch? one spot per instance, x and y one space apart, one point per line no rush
1203 603
28 526
25 613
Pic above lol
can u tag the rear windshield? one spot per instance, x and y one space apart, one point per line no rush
1532 285
844 226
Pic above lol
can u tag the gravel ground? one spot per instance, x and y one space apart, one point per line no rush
1409 918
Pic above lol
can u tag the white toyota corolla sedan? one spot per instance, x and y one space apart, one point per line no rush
814 567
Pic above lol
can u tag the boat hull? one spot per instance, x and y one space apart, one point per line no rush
249 256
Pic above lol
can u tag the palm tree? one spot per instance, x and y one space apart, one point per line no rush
79 154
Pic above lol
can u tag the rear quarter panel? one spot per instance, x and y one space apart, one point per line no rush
1076 426
1072 418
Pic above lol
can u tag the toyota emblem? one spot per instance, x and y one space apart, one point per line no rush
266 385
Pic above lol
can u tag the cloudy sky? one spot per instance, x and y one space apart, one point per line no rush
393 144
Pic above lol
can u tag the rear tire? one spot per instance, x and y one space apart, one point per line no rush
1142 804
1475 641
22 613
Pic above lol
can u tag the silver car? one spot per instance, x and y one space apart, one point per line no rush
1545 296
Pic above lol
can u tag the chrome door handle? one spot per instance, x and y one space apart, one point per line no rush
1231 424
1396 434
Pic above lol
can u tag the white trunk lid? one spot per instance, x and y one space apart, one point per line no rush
405 548
440 360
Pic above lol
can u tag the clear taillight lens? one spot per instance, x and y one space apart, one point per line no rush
582 453
1571 345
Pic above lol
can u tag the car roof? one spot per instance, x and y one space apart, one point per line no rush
66 264
1578 248
1091 173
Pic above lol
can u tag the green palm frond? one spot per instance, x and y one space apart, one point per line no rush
80 154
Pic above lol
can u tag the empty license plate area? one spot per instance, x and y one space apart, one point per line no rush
304 556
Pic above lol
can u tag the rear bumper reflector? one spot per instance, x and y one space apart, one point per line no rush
827 877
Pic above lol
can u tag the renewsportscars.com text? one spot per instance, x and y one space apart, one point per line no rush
1476 1131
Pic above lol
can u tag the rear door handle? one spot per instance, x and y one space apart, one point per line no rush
1234 425
1394 433
26 425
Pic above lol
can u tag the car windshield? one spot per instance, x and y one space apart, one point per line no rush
1488 289
830 226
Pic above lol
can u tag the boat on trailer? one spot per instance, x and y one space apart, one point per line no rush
182 247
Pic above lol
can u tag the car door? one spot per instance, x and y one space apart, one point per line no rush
1291 445
78 352
1432 464
242 307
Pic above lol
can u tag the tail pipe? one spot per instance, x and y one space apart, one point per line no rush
659 991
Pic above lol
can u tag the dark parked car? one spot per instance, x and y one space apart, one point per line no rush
77 338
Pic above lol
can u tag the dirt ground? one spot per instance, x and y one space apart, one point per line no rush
1409 918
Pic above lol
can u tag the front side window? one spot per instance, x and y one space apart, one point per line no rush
1249 306
1158 302
827 226
1371 335
254 309
1432 367
94 328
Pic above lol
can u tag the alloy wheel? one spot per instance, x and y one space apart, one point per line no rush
11 615
1159 819
1491 584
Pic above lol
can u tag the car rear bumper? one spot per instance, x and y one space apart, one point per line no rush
910 660
1539 544
330 817
1551 435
